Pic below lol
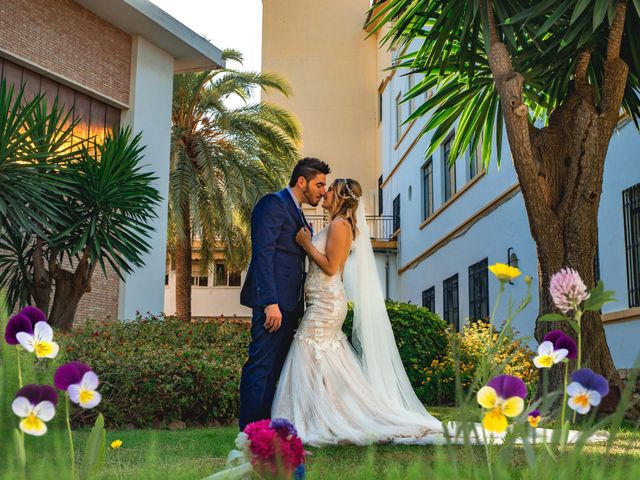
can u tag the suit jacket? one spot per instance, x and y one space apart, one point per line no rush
276 272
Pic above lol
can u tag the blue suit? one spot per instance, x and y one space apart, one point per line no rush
275 275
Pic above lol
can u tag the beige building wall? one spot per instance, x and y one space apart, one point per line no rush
322 49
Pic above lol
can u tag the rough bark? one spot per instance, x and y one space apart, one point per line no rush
560 170
183 268
41 292
70 287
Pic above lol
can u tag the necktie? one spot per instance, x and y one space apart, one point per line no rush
304 221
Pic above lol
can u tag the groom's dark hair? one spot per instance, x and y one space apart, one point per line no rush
309 168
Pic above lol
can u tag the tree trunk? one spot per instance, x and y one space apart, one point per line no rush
41 279
183 268
70 287
560 169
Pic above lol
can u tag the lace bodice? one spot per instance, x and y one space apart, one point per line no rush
326 305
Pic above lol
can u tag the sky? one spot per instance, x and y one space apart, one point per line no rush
225 23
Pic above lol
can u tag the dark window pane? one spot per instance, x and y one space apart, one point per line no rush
220 275
479 291
449 170
234 279
429 299
450 301
631 208
396 213
427 189
380 196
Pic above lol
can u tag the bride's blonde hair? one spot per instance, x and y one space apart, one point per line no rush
347 192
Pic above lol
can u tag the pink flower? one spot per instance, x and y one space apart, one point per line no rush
567 289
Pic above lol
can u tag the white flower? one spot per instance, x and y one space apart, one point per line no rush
40 342
547 356
581 399
243 442
33 416
84 393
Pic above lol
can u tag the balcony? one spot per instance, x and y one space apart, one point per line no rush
383 235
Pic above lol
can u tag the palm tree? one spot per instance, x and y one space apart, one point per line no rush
555 75
223 160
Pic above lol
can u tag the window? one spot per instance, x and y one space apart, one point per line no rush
396 213
398 117
197 278
479 291
631 207
427 189
429 299
166 279
450 303
449 177
380 196
475 161
223 277
379 107
235 278
412 83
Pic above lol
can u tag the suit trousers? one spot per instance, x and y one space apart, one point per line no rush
267 353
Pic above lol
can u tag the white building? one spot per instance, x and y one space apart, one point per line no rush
456 221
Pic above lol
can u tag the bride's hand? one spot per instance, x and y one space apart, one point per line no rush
303 237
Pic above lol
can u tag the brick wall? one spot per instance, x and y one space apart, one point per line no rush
64 38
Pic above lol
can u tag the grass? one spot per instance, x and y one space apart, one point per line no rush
197 453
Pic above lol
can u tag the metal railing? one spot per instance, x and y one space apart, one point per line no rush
380 226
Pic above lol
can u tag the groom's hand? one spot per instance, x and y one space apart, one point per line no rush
274 317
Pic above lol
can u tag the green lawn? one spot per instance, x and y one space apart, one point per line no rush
196 453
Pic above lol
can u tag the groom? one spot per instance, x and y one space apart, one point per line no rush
274 284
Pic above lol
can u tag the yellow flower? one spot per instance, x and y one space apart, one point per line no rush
533 421
503 272
116 444
528 279
495 420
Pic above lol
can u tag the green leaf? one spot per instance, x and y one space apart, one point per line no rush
579 8
598 297
599 12
552 317
18 438
575 325
636 3
94 451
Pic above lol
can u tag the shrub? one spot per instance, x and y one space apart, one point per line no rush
162 369
421 337
472 344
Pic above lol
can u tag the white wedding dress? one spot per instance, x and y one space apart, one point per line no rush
323 388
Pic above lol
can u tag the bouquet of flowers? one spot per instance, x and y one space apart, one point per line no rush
271 448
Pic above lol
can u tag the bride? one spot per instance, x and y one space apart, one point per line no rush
332 392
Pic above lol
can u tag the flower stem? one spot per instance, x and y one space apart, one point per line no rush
73 458
19 367
578 321
564 393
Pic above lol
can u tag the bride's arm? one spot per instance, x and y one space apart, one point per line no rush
338 243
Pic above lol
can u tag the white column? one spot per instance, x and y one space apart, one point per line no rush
150 113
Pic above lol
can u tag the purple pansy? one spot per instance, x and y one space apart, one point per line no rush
16 324
534 413
562 340
507 386
70 374
586 390
35 314
283 426
35 405
38 393
591 380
